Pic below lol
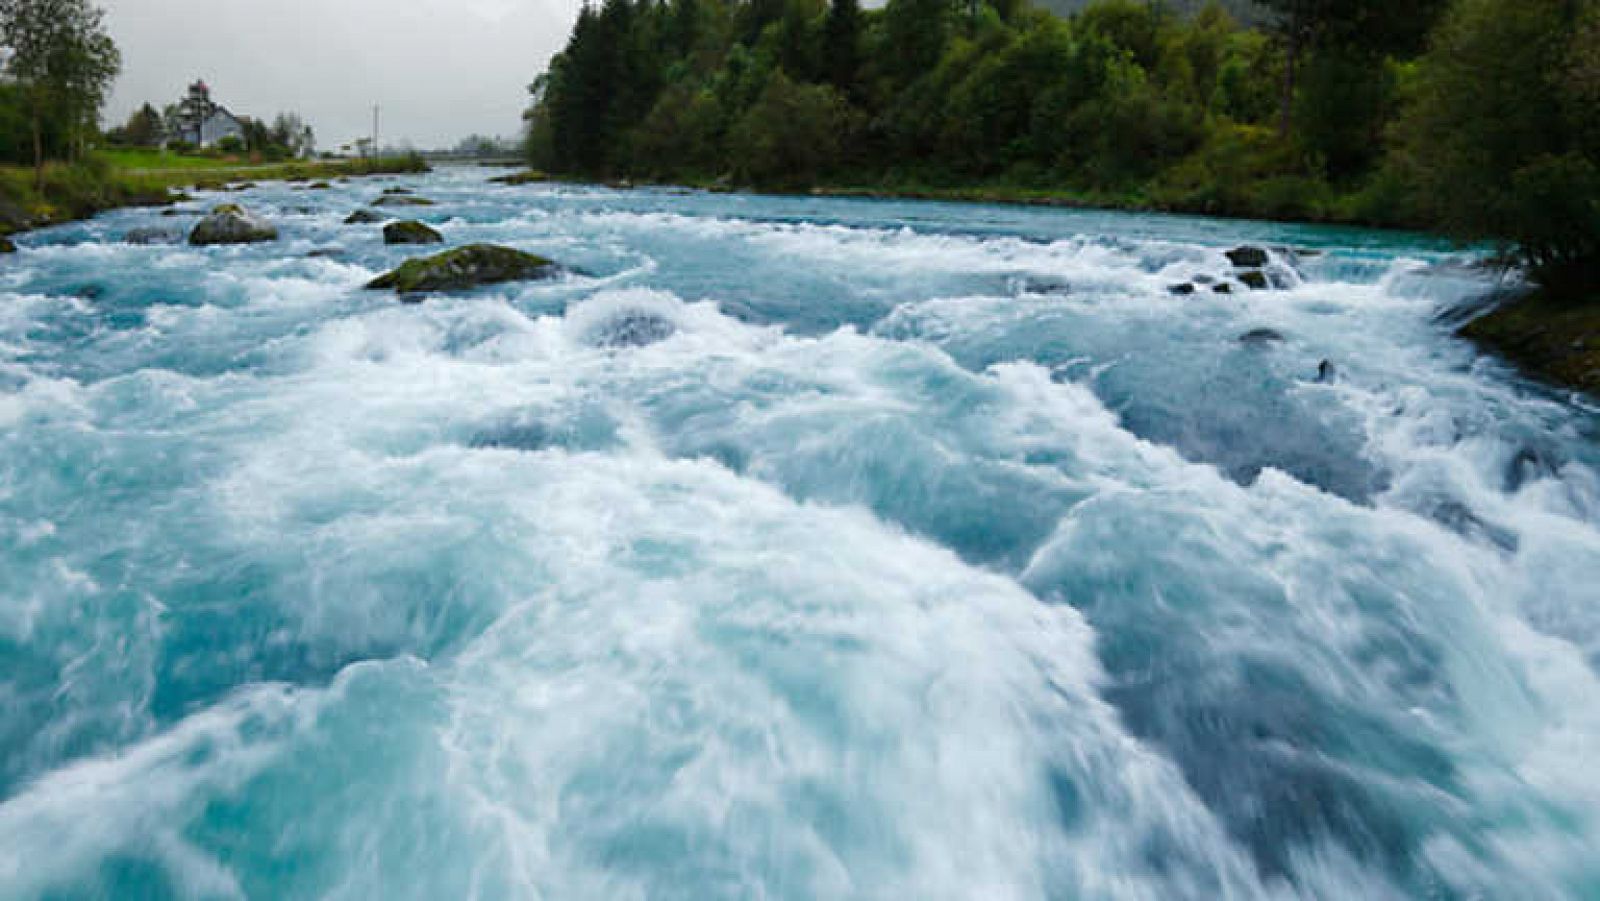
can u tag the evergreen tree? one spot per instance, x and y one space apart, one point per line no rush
841 47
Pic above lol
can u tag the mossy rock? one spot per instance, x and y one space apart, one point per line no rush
364 217
529 177
1255 280
402 200
462 269
230 224
319 186
7 246
1553 340
410 232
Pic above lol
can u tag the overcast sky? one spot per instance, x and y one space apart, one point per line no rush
440 69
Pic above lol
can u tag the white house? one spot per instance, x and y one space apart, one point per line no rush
202 122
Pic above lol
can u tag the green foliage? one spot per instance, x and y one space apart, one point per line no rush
1498 136
792 134
63 64
1493 133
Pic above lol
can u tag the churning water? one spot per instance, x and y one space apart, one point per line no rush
784 549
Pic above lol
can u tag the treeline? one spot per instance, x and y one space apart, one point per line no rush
59 67
1480 118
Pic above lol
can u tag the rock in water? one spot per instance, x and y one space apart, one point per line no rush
410 232
520 178
363 217
1183 290
1261 337
151 235
397 192
1327 373
1255 280
632 328
1248 257
7 246
464 268
402 200
231 224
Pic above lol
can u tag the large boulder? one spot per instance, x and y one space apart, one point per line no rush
402 200
232 224
410 232
464 268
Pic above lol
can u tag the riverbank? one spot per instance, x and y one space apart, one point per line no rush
73 192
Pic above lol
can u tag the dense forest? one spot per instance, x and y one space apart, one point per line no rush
1477 118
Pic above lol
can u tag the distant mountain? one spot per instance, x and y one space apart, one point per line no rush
1246 11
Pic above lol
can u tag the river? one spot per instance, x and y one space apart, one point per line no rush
784 548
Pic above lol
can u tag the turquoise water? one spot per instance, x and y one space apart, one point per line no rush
784 548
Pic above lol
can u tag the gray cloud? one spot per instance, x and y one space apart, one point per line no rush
440 69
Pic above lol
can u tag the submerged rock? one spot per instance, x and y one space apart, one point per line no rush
319 186
325 253
397 192
1261 337
363 217
1222 288
464 268
1248 257
410 232
402 200
632 328
1183 290
232 224
7 246
1327 373
151 235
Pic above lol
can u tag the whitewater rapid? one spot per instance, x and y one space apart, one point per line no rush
784 548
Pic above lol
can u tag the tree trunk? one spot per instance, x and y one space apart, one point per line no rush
1286 102
38 152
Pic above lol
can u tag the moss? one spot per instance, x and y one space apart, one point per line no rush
1550 339
464 268
410 231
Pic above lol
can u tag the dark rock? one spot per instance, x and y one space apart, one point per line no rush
1327 373
319 186
520 178
1248 257
90 292
1183 290
1459 518
1222 288
464 268
231 224
1261 337
1203 279
174 213
151 235
397 192
325 253
7 246
633 328
402 200
363 217
1254 279
1529 464
242 186
410 232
